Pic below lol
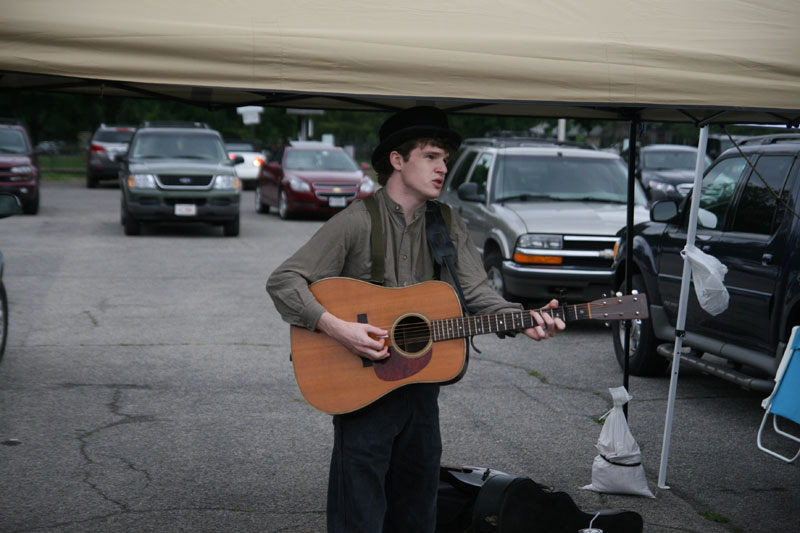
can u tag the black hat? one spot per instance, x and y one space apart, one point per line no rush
413 123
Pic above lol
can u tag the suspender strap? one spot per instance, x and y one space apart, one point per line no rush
378 264
444 252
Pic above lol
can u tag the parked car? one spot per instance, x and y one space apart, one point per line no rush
179 172
107 145
19 165
751 230
310 177
543 217
254 158
666 171
9 205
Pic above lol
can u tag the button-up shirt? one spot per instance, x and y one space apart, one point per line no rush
342 247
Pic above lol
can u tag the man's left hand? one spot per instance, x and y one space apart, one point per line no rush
547 325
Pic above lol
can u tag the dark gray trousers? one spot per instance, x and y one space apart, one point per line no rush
384 474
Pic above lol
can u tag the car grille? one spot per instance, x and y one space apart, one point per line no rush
588 251
325 191
169 181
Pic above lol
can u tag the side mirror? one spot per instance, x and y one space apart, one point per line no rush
663 211
9 205
469 193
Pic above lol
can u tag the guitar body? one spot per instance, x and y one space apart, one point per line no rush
334 380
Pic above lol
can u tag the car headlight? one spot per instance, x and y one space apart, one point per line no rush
661 186
23 169
141 181
537 248
227 182
367 186
299 185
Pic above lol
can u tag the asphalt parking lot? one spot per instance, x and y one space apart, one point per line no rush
146 386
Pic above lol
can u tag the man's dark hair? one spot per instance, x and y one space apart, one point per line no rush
384 168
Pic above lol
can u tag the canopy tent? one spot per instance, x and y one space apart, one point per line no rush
716 61
667 61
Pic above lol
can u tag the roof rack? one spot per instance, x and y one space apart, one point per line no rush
173 124
520 141
775 138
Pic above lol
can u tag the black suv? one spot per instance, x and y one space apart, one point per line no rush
107 145
179 172
748 219
19 165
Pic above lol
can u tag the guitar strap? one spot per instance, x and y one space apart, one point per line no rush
444 252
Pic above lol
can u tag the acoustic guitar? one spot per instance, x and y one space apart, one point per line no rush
427 335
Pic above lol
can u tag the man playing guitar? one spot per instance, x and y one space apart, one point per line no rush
385 463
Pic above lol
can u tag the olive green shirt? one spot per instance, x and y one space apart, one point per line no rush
342 247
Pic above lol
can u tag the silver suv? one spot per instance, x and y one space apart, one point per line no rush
543 214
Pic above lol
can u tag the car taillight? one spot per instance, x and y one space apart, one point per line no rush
97 148
257 162
231 156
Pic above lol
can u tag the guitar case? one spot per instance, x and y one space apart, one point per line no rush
480 500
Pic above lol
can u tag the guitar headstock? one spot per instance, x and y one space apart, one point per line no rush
631 306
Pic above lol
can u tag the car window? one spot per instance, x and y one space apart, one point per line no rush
113 136
668 160
320 160
758 205
13 142
717 191
155 145
459 173
481 172
563 178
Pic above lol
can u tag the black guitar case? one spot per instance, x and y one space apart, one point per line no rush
480 500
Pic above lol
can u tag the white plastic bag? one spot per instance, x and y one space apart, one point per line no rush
618 466
707 274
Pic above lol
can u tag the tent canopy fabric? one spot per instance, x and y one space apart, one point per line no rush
717 61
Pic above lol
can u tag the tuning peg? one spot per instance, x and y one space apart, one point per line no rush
618 294
634 291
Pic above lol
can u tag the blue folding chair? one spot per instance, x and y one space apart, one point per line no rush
784 402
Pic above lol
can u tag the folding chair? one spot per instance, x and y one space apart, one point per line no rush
784 402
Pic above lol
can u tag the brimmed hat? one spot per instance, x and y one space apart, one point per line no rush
413 123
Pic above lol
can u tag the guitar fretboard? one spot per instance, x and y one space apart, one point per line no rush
467 326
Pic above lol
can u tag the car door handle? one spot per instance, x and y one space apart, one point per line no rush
766 259
702 237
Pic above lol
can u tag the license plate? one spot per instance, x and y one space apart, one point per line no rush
185 210
337 201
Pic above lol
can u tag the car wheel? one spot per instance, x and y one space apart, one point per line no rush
3 319
31 207
494 271
283 206
643 360
261 207
231 229
132 226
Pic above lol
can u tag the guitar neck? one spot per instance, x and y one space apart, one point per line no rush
467 326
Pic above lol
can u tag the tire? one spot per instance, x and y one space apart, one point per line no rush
132 226
231 229
261 207
494 271
3 319
644 361
283 206
31 207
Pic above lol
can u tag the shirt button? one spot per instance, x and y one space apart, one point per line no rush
405 257
397 208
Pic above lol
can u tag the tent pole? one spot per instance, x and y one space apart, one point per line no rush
626 345
682 304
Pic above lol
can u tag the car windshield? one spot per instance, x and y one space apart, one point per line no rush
13 142
668 160
532 178
335 160
157 145
114 136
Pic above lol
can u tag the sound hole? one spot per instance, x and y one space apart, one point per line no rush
411 335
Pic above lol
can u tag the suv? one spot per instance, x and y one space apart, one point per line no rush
752 230
108 143
543 215
179 172
19 165
667 170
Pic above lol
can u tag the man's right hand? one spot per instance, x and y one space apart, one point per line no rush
363 340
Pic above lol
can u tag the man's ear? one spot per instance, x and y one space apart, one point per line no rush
396 160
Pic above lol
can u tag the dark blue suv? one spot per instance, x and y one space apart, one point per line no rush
749 220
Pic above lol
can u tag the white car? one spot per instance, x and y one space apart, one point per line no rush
543 214
254 158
